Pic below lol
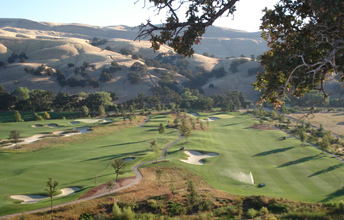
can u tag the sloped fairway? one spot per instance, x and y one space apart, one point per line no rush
76 164
288 169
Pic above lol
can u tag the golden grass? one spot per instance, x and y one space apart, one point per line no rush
331 121
145 189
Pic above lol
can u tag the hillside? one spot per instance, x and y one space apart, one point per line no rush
59 45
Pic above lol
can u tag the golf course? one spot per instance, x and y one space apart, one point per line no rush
287 168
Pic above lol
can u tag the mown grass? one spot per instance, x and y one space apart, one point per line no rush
289 170
30 116
75 160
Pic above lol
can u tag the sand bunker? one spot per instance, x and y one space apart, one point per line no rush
195 157
49 126
211 119
88 120
28 140
106 120
27 199
194 114
36 126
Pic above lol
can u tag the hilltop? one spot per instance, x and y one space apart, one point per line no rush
68 46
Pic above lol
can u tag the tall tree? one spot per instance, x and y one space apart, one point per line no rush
46 116
17 116
185 129
124 114
101 110
51 189
161 129
182 35
119 166
307 43
84 111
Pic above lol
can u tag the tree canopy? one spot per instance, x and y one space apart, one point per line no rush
305 39
182 34
307 45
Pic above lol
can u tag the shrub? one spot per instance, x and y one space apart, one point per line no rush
278 208
176 208
251 213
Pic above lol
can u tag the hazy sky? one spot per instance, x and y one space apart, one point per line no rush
119 12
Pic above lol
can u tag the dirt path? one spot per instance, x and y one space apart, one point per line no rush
123 183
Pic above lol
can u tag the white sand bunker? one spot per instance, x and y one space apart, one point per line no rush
195 157
74 122
106 120
27 199
211 119
88 120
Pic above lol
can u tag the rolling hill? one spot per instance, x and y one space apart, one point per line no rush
58 46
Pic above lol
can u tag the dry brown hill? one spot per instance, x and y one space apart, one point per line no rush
57 45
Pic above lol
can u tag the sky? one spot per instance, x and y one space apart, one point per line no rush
120 12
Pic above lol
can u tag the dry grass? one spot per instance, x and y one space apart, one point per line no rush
331 121
144 190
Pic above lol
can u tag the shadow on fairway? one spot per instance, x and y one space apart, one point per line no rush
111 157
301 160
275 151
231 124
113 145
337 193
327 170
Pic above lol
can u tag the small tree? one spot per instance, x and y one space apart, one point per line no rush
185 129
192 196
101 110
158 174
124 114
110 185
46 116
273 114
157 152
15 136
84 111
17 117
118 165
161 129
51 189
176 122
303 136
154 143
324 144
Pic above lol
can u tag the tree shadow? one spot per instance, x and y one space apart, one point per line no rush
127 143
111 157
298 161
337 193
231 124
327 170
275 151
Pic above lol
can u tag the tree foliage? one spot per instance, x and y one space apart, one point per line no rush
307 44
182 35
51 189
119 166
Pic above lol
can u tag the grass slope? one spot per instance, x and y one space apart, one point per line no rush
289 170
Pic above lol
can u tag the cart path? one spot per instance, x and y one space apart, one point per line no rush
137 179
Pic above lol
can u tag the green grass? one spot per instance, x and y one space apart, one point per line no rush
29 116
75 164
289 170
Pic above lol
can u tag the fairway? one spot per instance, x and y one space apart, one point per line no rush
288 169
75 164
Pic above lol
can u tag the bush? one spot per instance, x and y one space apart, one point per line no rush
134 78
251 213
278 208
176 208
